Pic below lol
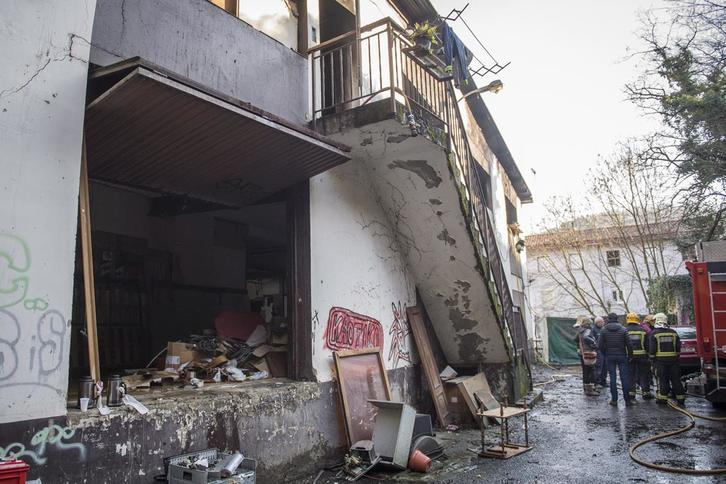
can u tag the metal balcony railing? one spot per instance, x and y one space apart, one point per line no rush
350 72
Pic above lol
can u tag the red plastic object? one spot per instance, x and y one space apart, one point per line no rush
419 462
233 324
13 472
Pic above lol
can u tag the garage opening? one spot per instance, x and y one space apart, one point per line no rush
215 281
199 235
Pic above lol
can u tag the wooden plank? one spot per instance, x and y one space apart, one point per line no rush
428 362
89 286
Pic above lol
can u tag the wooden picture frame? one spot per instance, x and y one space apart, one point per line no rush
357 384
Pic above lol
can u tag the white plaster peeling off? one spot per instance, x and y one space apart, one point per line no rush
122 449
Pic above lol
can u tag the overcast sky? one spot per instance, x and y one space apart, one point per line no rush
563 101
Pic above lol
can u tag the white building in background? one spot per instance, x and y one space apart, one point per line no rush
585 272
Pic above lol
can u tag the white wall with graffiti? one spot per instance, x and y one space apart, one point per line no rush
361 286
42 97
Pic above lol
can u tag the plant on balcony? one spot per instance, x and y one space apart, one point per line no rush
424 34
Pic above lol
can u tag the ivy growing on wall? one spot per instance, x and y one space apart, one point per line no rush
669 294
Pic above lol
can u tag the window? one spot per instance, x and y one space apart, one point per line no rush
511 212
613 258
617 295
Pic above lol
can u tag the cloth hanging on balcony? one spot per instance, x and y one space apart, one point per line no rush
456 55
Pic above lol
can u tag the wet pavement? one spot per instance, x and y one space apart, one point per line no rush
582 439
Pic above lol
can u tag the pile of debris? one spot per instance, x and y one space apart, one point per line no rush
385 435
227 353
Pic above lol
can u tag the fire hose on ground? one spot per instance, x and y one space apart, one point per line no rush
663 435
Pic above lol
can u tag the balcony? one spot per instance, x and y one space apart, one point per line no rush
399 112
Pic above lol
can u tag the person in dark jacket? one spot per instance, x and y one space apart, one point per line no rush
639 362
587 349
615 345
601 369
664 348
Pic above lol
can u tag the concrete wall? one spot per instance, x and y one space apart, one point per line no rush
358 266
291 429
42 91
198 40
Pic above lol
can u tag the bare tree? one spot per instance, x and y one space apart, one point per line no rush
633 214
637 201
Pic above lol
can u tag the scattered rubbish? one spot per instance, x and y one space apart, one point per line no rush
259 375
428 445
135 404
361 377
474 393
231 464
419 462
258 337
448 373
235 374
210 466
196 383
115 391
178 354
361 459
452 428
393 431
85 391
98 391
422 426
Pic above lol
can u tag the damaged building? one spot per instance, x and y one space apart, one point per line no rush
296 166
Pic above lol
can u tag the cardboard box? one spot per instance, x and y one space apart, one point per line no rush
456 403
471 389
177 354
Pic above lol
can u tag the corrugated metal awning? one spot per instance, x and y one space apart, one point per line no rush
155 130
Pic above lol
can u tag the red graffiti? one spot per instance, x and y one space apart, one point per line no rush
347 330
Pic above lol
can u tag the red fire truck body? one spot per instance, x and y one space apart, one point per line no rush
709 303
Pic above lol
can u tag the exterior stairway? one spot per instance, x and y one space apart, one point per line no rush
401 118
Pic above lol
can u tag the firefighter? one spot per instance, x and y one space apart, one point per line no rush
639 362
664 347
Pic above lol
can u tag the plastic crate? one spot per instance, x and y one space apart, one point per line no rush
178 474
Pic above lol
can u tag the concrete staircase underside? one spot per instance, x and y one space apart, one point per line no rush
416 189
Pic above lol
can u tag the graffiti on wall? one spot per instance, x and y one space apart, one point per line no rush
46 336
52 435
14 265
347 330
399 332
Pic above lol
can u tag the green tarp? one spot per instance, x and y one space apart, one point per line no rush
562 348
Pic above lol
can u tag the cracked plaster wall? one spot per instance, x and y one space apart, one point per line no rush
42 93
413 184
357 264
200 41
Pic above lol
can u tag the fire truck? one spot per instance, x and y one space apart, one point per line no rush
708 274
